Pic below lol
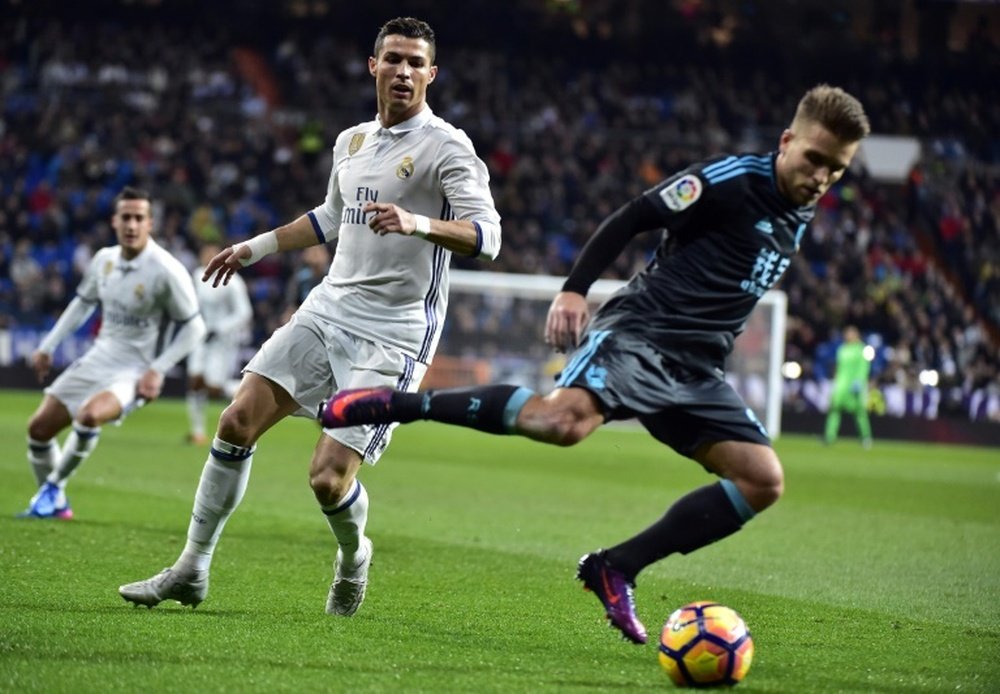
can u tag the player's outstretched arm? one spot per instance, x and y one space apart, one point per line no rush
297 234
41 364
460 236
226 262
149 385
75 315
568 314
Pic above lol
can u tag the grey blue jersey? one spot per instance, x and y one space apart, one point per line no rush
729 237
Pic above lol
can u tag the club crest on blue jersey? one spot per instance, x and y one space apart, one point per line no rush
682 193
357 140
405 168
764 226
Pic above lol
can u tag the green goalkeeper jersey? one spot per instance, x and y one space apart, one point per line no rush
852 369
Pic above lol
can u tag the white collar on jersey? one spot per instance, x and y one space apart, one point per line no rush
417 121
127 266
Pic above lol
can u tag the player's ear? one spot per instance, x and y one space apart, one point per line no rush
432 74
786 137
372 65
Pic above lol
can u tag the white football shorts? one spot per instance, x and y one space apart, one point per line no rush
97 371
214 361
312 359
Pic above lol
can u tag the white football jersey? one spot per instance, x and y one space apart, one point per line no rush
137 298
226 308
393 289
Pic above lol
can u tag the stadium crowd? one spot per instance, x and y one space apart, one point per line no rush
233 134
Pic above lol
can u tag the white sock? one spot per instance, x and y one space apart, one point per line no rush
44 457
196 400
220 490
347 519
80 443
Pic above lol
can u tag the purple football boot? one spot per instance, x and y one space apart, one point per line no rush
355 406
615 593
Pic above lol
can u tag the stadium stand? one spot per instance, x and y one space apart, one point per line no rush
231 130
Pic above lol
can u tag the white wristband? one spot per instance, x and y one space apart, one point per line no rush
423 226
260 246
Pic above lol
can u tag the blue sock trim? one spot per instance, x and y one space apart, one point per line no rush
352 497
738 501
37 447
513 407
85 433
230 453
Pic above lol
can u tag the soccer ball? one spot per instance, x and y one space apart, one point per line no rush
705 644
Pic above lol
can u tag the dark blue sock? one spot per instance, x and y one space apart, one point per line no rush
697 519
492 409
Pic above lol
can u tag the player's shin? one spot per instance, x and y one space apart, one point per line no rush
699 518
44 457
196 401
492 409
80 443
220 490
347 519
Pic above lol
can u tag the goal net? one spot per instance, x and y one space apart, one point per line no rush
494 334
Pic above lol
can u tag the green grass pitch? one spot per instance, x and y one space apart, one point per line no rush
877 572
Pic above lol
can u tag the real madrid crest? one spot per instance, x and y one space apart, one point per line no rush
356 141
140 292
405 168
108 267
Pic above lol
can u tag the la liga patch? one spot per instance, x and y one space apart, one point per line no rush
682 193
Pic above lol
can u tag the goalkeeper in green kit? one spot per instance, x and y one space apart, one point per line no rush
850 388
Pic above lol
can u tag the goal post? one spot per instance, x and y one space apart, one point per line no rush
494 334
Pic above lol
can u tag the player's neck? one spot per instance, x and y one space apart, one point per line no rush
389 118
133 253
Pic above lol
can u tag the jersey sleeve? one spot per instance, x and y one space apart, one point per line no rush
240 310
681 198
181 300
465 183
87 290
326 217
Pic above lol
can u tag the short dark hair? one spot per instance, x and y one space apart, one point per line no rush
409 27
132 193
836 110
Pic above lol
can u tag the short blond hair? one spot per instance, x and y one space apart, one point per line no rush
836 110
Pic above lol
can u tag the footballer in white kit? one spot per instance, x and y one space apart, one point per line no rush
227 313
142 291
389 290
406 190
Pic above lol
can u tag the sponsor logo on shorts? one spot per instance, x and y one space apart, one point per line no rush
596 376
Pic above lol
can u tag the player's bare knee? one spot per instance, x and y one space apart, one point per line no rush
565 417
88 418
566 428
235 426
763 485
41 429
328 486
